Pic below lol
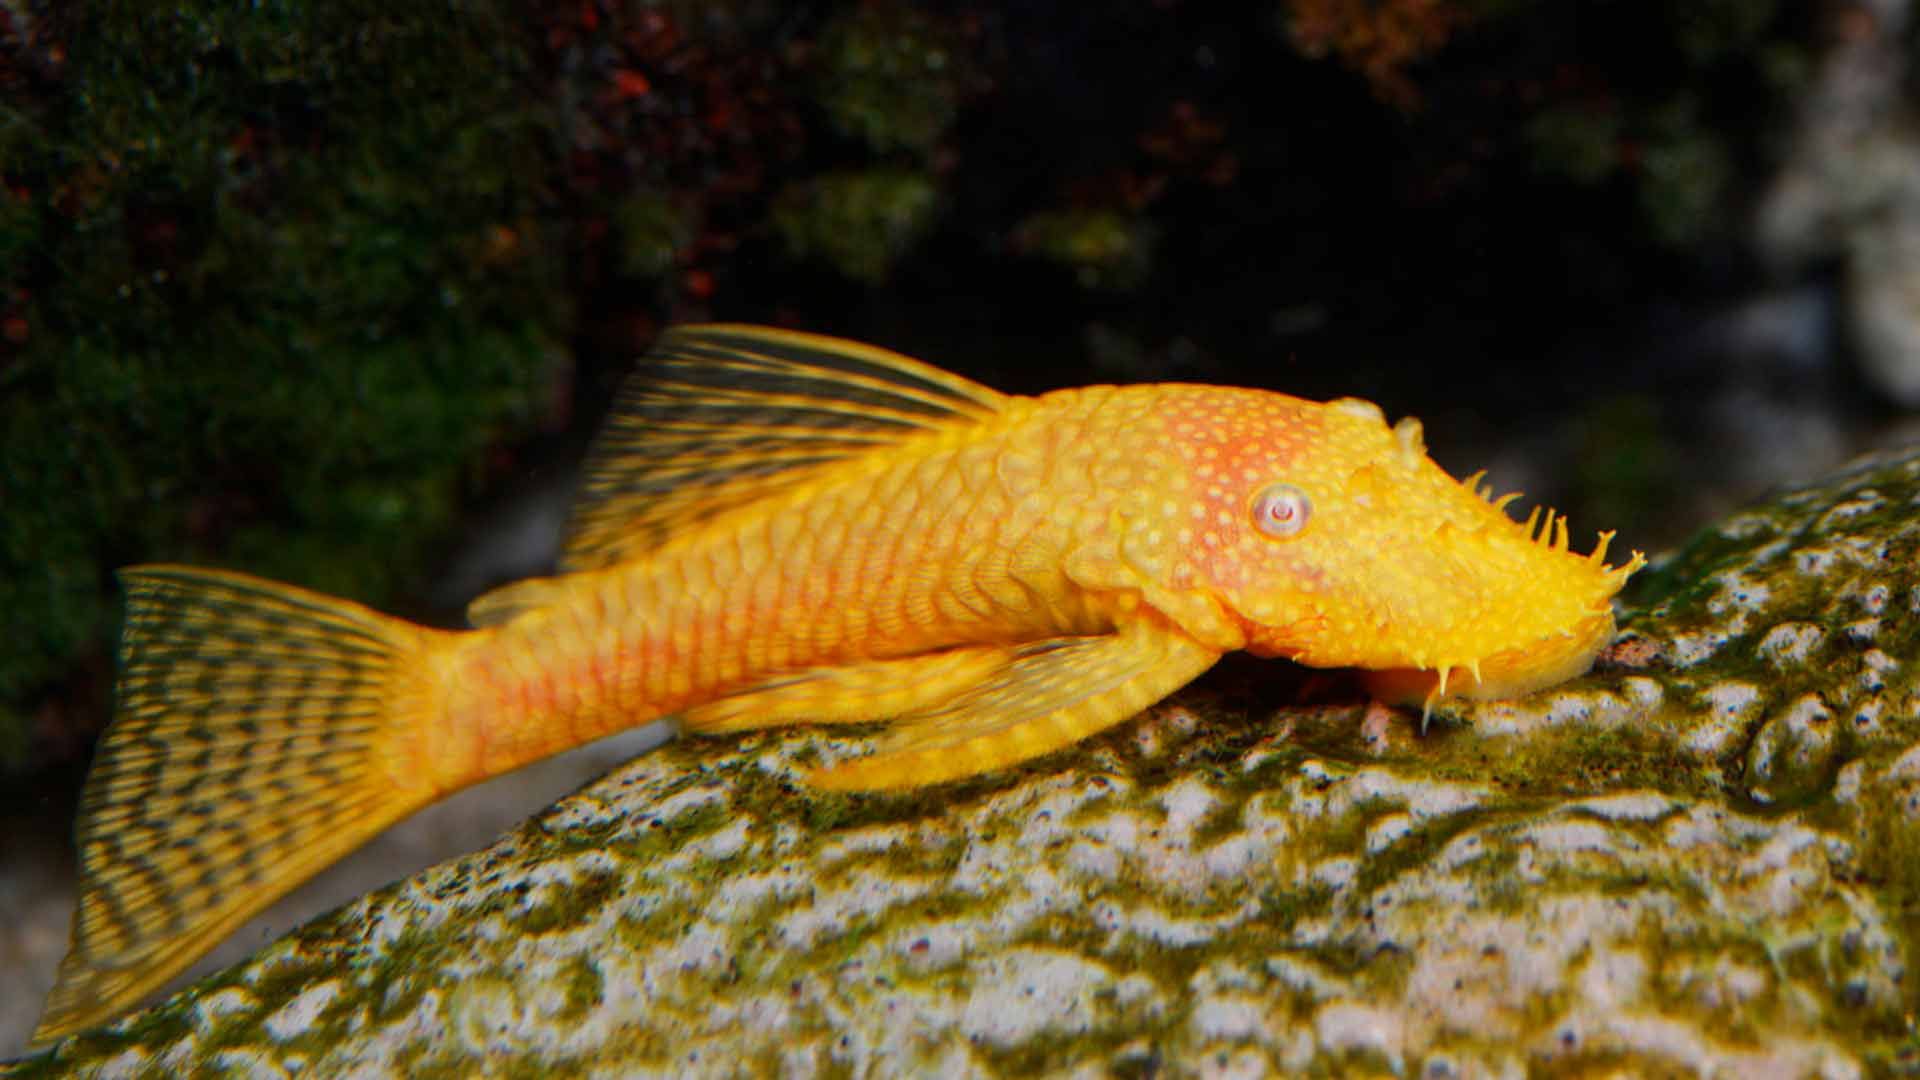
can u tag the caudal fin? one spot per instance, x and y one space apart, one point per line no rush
260 735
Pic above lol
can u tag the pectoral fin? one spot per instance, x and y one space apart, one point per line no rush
508 602
1053 693
852 693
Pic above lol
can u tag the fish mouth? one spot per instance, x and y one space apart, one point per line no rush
1534 664
1514 672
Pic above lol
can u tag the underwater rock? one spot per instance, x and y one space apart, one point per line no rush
1850 187
1701 858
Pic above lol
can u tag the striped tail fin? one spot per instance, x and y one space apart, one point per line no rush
262 732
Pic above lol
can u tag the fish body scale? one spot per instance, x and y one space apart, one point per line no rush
933 549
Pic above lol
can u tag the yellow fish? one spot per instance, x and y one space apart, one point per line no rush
780 528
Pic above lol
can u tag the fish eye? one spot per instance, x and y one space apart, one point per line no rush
1281 510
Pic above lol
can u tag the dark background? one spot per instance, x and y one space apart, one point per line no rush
337 296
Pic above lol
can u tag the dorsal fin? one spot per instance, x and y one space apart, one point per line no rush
718 416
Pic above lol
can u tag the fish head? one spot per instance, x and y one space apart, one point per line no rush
1332 539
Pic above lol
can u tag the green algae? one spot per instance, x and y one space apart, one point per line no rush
1594 760
572 905
1107 250
261 320
891 76
860 222
652 233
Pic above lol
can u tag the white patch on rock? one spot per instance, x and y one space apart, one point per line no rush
1642 693
296 1017
1790 643
1613 979
244 1065
1387 831
1730 708
1629 806
210 1010
1095 858
1229 1017
1345 1026
721 844
1336 873
1188 803
1562 837
1021 992
864 896
1906 767
934 946
1736 593
1688 650
126 1065
1148 923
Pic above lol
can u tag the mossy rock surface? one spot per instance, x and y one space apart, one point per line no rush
1702 858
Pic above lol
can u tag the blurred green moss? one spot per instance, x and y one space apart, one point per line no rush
1687 174
1627 470
1682 164
890 76
1107 249
859 221
1575 141
1707 31
651 233
276 278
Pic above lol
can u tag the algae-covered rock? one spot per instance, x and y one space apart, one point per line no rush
1702 858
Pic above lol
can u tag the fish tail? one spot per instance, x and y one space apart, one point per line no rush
261 733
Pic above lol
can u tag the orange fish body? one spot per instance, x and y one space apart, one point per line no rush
781 528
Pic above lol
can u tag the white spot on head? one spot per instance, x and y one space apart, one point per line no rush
1365 410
